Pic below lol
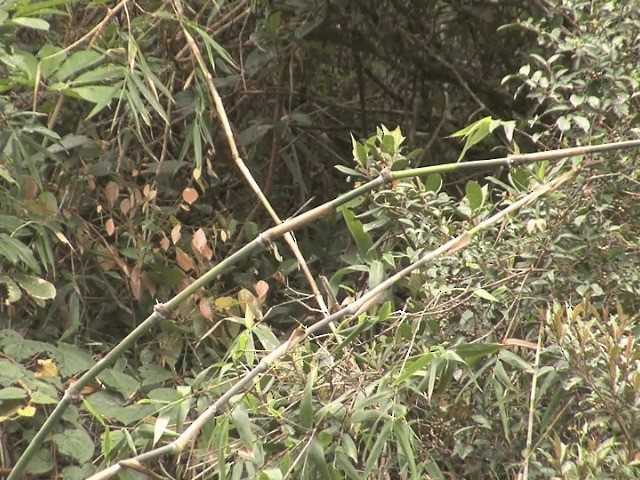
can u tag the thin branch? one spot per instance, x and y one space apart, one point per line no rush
226 126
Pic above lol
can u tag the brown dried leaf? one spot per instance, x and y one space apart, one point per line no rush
175 233
149 283
261 288
206 310
207 252
189 195
164 243
199 241
110 226
135 280
125 206
520 343
185 262
111 192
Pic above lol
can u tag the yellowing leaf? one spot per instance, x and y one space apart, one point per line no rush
28 411
222 303
189 195
46 368
63 238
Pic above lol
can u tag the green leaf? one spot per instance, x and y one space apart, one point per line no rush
515 361
75 443
360 153
471 352
563 123
433 183
482 293
93 93
36 287
474 194
124 384
72 359
375 454
24 61
403 435
475 133
306 403
363 239
12 293
316 455
12 393
4 174
33 23
348 171
80 60
413 367
50 60
162 422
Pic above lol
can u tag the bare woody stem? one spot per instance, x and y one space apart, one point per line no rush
246 173
72 394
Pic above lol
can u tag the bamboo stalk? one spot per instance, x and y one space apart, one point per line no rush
72 394
300 334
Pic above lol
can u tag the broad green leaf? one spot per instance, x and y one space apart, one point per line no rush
98 75
36 287
482 293
471 352
28 22
122 383
24 61
563 123
474 194
433 183
359 152
50 60
72 359
12 393
363 239
75 443
93 93
515 361
80 60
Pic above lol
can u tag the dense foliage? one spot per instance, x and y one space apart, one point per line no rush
514 358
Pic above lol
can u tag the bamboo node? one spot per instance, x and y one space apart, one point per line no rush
386 175
162 311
